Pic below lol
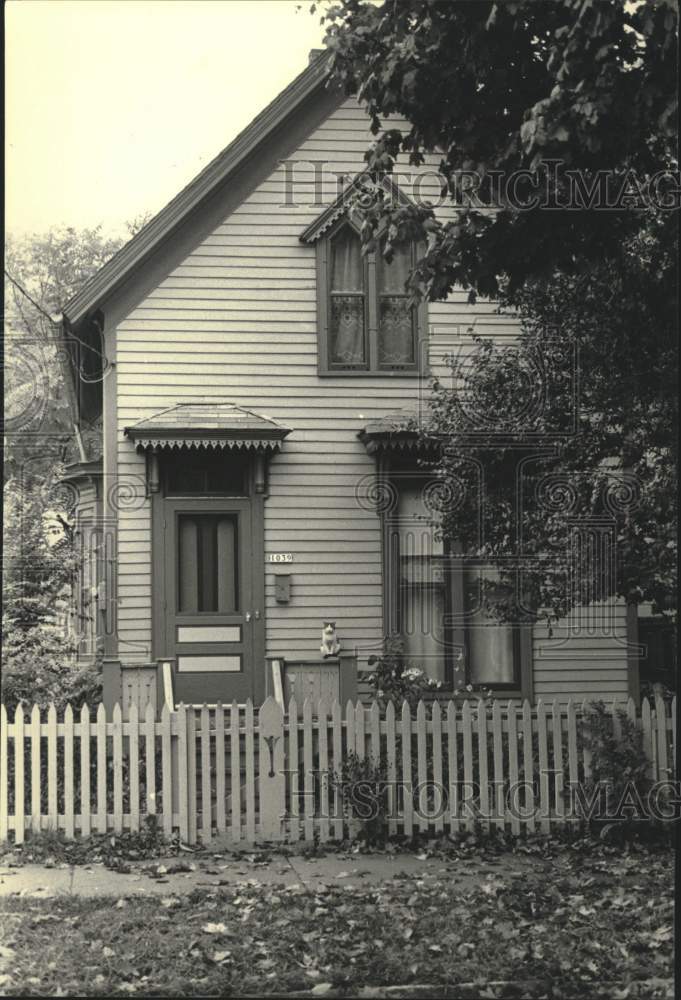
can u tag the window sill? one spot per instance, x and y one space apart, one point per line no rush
374 373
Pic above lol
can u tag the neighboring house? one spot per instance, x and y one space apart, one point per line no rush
256 477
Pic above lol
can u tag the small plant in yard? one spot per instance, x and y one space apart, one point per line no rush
363 785
395 680
619 765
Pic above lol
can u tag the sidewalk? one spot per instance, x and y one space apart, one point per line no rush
160 878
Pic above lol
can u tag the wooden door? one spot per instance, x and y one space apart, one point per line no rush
212 626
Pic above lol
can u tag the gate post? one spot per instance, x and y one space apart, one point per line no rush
271 776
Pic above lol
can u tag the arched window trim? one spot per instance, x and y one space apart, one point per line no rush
371 305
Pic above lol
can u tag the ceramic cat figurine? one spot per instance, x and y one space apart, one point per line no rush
330 645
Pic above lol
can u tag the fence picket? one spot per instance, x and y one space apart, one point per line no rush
542 739
235 771
407 784
182 776
662 753
559 801
452 769
4 784
674 757
360 731
206 800
271 775
323 772
250 772
528 768
573 772
102 823
192 795
167 772
69 805
498 765
483 765
513 800
421 767
648 741
375 734
337 739
150 759
616 721
52 814
220 814
308 771
19 821
36 808
85 804
117 734
391 767
439 802
467 805
294 770
586 753
134 765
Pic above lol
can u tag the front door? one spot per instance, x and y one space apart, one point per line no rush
211 598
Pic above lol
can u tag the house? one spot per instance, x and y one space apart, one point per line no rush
252 377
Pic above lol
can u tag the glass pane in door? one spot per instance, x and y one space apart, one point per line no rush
207 563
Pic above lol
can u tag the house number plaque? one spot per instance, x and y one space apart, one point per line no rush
280 557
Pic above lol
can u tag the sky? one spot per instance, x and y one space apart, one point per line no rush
112 106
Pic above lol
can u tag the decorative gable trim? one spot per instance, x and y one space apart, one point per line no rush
362 190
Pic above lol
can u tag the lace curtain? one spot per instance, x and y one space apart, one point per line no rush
395 320
347 300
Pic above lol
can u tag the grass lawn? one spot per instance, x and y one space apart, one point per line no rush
579 925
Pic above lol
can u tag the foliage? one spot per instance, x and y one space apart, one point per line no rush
618 763
590 87
500 88
362 782
43 272
38 572
394 679
582 922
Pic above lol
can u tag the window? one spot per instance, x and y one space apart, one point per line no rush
205 472
365 321
435 604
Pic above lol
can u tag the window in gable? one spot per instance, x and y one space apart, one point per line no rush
365 322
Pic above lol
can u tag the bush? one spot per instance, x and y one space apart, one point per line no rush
394 679
44 673
619 764
363 784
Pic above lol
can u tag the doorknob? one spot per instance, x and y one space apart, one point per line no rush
248 616
256 615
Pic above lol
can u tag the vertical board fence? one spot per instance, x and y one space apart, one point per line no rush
237 774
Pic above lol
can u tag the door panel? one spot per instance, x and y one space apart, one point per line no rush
210 625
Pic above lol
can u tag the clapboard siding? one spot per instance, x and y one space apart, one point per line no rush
585 655
236 321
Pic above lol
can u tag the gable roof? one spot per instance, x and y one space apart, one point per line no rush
116 270
362 186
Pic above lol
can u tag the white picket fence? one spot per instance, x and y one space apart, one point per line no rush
234 773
